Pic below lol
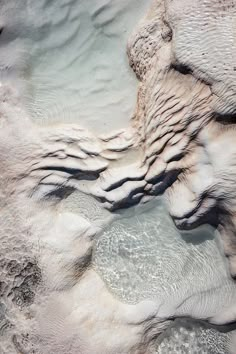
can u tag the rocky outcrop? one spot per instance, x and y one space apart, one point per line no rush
186 110
108 274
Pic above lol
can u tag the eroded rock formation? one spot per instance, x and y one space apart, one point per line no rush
91 262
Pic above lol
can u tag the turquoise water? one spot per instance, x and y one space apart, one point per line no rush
143 256
73 57
80 69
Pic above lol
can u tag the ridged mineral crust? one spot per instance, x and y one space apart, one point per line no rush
76 276
186 110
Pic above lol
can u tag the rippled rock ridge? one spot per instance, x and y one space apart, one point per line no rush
117 178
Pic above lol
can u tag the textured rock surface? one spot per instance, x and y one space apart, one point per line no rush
186 110
185 337
82 271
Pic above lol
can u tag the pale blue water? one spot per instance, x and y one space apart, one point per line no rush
80 67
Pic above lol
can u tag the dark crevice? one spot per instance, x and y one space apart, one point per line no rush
177 157
225 119
76 172
61 193
182 68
